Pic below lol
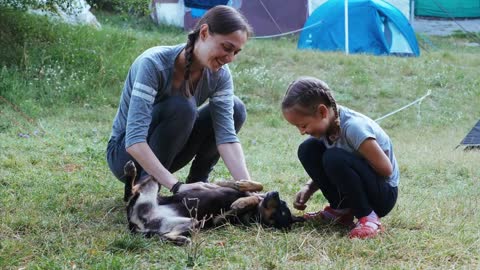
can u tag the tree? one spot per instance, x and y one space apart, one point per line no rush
139 7
35 4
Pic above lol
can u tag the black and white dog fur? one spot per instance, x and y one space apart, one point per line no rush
174 217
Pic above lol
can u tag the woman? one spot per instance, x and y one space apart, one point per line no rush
158 123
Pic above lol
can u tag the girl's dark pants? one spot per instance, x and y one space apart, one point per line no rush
346 180
178 133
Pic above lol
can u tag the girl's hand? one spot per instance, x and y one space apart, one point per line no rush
196 186
303 196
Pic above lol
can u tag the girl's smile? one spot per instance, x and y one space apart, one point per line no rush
315 125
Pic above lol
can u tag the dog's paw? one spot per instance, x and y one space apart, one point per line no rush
244 202
248 185
129 169
179 240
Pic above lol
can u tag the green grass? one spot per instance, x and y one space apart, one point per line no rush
61 208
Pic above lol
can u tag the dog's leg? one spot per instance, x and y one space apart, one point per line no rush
130 172
176 237
241 185
176 229
178 224
245 203
237 209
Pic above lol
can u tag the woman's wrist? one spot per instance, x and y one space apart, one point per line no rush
176 187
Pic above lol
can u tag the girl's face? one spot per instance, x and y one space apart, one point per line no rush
215 50
315 125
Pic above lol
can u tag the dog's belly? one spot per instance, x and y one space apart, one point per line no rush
201 204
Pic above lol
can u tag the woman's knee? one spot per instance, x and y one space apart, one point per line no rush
176 109
184 108
239 113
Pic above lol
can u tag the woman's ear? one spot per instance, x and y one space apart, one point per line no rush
203 33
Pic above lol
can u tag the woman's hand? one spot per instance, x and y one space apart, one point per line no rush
196 186
304 195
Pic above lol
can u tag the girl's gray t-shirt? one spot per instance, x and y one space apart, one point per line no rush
149 80
355 129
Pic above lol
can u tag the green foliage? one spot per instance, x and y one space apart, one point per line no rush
68 7
56 65
62 208
36 4
137 7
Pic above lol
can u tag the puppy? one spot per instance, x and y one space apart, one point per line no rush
174 217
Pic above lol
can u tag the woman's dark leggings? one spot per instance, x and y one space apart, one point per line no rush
178 133
346 180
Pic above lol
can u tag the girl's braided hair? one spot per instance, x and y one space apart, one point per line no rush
221 20
305 94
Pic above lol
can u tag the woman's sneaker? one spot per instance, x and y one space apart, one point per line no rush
366 227
344 218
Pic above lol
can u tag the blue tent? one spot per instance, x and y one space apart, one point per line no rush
375 27
204 4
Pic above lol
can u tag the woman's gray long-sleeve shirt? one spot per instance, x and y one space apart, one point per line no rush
150 79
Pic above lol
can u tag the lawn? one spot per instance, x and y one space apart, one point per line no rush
61 208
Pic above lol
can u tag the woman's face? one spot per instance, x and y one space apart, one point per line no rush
315 125
215 50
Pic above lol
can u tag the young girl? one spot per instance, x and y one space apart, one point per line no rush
348 157
158 122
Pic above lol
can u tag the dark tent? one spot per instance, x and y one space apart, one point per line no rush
448 8
472 140
267 17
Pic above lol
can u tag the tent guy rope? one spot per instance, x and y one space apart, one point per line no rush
290 32
419 100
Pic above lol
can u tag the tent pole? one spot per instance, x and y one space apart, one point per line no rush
346 27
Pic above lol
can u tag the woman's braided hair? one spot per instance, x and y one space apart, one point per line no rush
221 20
305 94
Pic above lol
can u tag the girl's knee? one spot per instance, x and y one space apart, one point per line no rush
335 159
309 148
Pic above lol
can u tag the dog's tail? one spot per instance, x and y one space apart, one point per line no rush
130 174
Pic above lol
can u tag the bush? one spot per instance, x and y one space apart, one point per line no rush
133 7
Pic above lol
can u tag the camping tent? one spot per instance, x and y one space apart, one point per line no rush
375 27
267 17
402 5
448 8
472 140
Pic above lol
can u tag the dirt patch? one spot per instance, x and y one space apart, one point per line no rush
438 27
71 167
